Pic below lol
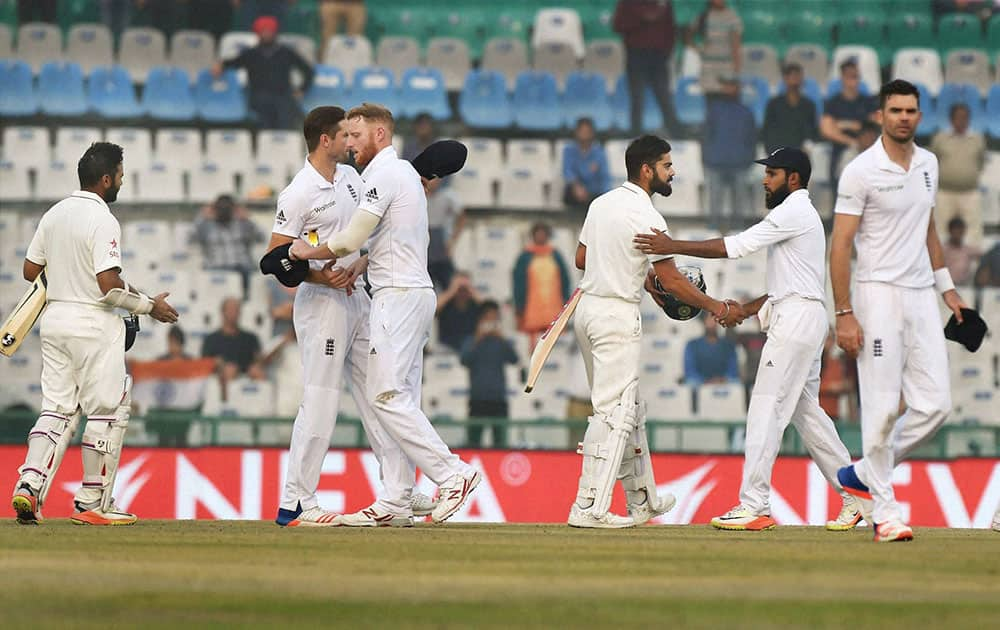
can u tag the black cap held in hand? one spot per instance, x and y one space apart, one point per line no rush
969 333
290 273
790 159
440 159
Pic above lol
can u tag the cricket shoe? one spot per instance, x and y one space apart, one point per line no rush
374 517
585 518
285 517
644 512
742 518
453 494
849 480
422 505
893 531
314 517
25 505
91 514
852 512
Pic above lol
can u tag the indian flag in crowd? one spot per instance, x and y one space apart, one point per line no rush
171 383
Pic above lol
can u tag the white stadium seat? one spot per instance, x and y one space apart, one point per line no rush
398 53
192 51
231 149
558 26
140 50
28 147
251 399
137 143
450 55
605 57
485 154
209 180
522 188
868 64
90 46
38 44
508 56
557 58
283 149
181 146
919 65
264 174
971 66
725 402
472 187
814 61
56 180
302 44
348 53
534 154
72 142
160 182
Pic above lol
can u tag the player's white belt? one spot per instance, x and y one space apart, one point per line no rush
388 290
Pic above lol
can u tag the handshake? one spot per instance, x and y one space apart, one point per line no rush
732 314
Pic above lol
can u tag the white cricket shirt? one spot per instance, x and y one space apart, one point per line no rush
793 234
77 239
895 207
313 209
615 267
397 254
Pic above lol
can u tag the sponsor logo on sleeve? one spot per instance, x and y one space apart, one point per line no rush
371 196
280 219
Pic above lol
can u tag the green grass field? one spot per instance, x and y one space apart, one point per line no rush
161 574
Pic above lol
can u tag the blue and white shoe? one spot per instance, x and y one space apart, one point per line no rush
852 485
286 517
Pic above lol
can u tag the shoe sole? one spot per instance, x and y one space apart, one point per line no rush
24 510
760 524
654 514
92 519
598 526
468 489
844 527
901 538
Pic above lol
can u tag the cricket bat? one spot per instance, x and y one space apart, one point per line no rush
23 317
548 340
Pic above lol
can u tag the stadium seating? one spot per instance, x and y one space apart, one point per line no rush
219 100
761 60
374 85
72 142
304 45
864 28
6 42
908 29
285 150
17 98
209 180
970 66
507 56
329 86
168 96
348 53
560 26
179 145
467 25
137 144
755 93
814 60
522 188
192 51
536 102
689 101
233 43
60 89
397 53
953 93
451 56
38 44
16 181
866 58
90 46
586 95
557 59
473 187
959 30
110 93
605 57
484 102
763 27
232 149
160 182
140 50
29 146
721 402
921 65
422 90
811 27
993 111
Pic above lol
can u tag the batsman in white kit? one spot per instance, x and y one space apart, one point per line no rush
78 245
609 331
885 203
393 213
793 315
330 314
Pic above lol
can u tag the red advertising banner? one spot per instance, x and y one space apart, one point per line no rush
517 487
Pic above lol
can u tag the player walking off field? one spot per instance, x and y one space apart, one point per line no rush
609 331
78 245
794 317
331 313
885 204
393 212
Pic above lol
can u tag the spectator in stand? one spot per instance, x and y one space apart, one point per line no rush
445 221
721 31
988 273
280 302
728 151
790 118
711 358
116 15
423 136
648 31
36 11
541 283
350 13
486 354
844 115
961 155
237 350
457 311
175 345
585 167
959 258
870 132
227 237
838 380
213 16
269 67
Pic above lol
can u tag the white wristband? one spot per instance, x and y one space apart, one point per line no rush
942 280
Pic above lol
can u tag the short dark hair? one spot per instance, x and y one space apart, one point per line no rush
848 63
584 120
486 306
897 87
541 226
423 117
957 106
956 222
176 333
791 67
644 150
321 120
102 158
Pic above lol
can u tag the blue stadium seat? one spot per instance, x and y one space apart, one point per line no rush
689 101
952 93
484 101
621 103
110 93
374 85
586 95
17 93
422 90
930 120
755 93
167 95
993 110
536 102
60 90
219 100
329 87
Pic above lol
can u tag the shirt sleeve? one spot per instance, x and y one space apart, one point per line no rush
585 230
36 249
106 244
380 190
289 218
774 228
851 193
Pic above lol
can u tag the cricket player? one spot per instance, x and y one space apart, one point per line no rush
885 204
331 313
78 243
794 317
609 331
393 213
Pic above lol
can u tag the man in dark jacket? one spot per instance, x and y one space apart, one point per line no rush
727 153
790 118
269 68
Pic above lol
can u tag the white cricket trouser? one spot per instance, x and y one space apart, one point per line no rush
609 332
400 327
787 390
903 353
332 332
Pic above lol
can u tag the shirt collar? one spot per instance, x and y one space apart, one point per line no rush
386 154
634 188
883 161
84 194
321 182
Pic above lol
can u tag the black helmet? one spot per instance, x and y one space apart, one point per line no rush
674 308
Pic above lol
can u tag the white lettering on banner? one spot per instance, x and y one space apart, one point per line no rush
127 484
817 491
689 495
901 476
782 511
952 504
194 488
334 463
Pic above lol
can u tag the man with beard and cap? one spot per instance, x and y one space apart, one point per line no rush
794 317
269 67
609 331
78 247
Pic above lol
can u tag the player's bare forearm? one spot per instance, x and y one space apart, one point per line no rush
581 257
934 245
300 250
31 270
841 247
109 279
752 308
714 248
675 283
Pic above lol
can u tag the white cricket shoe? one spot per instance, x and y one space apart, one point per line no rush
851 513
422 505
893 531
315 517
644 512
742 518
372 516
580 517
453 494
91 514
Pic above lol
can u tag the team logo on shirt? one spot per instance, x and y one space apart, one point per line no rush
927 181
331 347
114 249
372 195
281 217
877 348
354 193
